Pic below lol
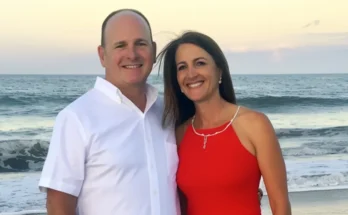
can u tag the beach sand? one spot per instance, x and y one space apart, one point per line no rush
322 202
19 192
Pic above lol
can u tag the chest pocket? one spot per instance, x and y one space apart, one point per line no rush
119 154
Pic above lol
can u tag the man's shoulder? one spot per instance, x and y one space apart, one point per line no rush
80 106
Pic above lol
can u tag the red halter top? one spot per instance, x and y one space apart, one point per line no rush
222 178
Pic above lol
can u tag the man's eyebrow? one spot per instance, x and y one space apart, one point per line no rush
125 42
119 43
141 40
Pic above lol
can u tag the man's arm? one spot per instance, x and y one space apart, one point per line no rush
63 173
59 203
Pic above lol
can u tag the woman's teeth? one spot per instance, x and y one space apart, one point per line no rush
194 85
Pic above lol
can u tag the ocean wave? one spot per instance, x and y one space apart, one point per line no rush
35 99
291 101
22 155
25 132
318 132
314 142
254 102
312 182
318 148
48 110
26 212
26 149
315 174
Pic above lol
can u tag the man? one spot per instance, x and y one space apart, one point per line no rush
108 153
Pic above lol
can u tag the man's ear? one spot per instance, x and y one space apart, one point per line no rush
154 49
101 54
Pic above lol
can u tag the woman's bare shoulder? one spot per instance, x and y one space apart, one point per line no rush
249 116
253 122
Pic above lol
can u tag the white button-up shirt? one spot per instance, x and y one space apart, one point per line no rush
116 159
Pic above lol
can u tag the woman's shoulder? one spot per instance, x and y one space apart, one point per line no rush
246 114
255 124
252 119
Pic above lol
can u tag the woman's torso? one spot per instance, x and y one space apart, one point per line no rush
221 179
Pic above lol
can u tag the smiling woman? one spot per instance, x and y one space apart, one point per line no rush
215 135
194 76
184 63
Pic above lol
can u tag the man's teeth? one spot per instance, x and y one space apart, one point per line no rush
195 84
132 66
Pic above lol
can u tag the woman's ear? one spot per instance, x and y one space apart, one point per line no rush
154 49
220 76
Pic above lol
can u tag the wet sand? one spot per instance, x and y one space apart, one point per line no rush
322 202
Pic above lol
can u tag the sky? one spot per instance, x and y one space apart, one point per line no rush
257 36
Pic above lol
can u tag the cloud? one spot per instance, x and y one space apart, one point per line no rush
310 59
312 24
331 35
291 41
51 63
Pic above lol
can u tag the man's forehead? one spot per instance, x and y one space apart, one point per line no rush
128 22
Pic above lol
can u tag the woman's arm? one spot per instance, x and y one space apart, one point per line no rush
271 163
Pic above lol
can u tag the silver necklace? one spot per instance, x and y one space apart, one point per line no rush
205 136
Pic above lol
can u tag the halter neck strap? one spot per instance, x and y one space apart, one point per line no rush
235 115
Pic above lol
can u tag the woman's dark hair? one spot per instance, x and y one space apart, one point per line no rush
177 107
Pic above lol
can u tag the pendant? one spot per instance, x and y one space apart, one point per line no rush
205 141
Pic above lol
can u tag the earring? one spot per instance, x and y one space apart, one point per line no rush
220 80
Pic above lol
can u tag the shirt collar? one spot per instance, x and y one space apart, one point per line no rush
108 89
115 94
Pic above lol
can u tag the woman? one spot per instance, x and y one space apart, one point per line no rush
224 148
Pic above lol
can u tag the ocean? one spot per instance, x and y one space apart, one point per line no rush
308 112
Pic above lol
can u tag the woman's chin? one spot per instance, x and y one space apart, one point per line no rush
196 98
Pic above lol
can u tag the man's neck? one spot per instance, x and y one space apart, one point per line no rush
137 95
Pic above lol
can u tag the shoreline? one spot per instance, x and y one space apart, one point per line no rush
314 202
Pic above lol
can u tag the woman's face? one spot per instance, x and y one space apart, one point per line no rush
197 73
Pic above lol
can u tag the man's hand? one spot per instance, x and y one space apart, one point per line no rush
260 193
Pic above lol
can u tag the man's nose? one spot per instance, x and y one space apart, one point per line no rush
132 53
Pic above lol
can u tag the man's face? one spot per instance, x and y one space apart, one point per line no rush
129 53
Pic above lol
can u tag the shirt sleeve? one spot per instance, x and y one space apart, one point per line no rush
64 167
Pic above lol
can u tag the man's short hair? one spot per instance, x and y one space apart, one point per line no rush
119 11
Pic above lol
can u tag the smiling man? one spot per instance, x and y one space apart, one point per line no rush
108 153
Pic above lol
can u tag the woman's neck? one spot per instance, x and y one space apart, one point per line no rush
210 113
